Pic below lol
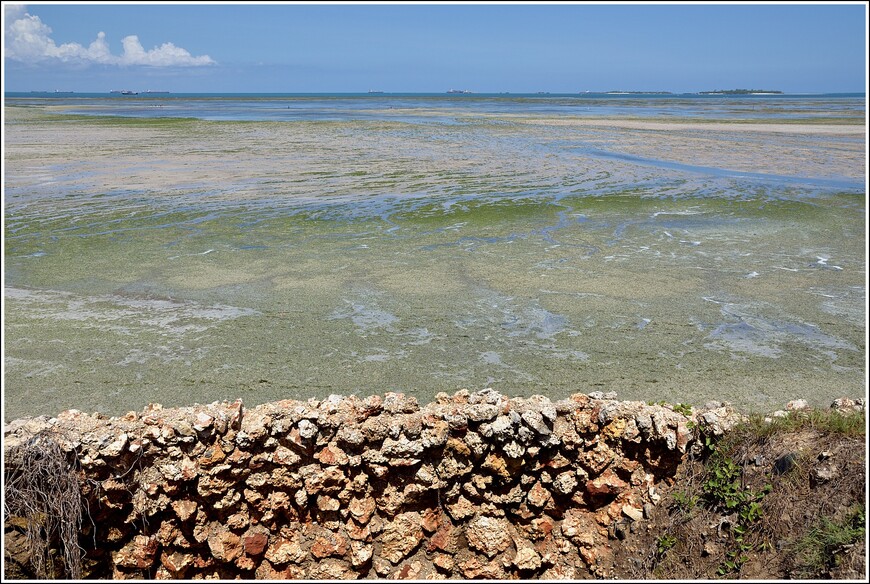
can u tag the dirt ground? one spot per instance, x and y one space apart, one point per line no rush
816 479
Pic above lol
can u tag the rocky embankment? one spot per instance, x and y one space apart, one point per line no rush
474 485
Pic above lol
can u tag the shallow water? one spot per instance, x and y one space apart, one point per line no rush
182 261
451 108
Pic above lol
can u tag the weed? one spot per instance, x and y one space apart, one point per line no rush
817 551
684 501
684 409
723 489
825 421
722 486
665 543
735 559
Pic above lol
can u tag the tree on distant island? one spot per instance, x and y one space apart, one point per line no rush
739 91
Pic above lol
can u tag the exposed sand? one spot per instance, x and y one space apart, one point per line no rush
853 130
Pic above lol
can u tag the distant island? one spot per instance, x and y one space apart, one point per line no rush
739 91
130 92
638 93
459 91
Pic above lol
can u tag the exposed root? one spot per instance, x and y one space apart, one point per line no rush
43 499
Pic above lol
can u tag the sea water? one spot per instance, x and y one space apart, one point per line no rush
191 248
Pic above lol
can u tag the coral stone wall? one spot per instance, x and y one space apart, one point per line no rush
471 486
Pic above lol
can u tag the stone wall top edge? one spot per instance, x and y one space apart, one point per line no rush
457 409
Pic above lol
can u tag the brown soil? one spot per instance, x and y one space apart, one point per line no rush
814 476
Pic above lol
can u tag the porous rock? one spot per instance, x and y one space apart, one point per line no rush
488 535
475 485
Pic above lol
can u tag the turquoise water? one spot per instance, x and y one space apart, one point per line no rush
187 249
336 107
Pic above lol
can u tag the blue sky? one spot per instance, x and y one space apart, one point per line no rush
432 48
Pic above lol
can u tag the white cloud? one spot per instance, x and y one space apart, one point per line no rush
166 55
28 39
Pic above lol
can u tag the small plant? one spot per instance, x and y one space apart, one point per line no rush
709 443
684 409
665 543
722 486
750 511
684 501
732 491
723 489
735 559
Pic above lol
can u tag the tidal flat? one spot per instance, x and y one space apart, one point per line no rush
181 260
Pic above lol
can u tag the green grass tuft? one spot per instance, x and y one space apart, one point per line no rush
817 552
825 421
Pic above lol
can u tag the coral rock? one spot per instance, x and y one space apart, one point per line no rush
138 553
284 551
360 553
538 496
431 519
327 503
461 508
213 455
362 508
606 484
401 536
443 539
580 527
307 429
184 508
473 568
224 544
527 559
410 571
443 562
333 455
488 535
329 544
176 562
565 483
255 541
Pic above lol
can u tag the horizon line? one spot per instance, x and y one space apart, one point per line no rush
449 92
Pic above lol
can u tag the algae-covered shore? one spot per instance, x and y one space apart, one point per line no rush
180 260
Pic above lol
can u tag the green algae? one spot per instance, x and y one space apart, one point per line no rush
645 284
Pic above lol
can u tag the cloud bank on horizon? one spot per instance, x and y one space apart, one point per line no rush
27 39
